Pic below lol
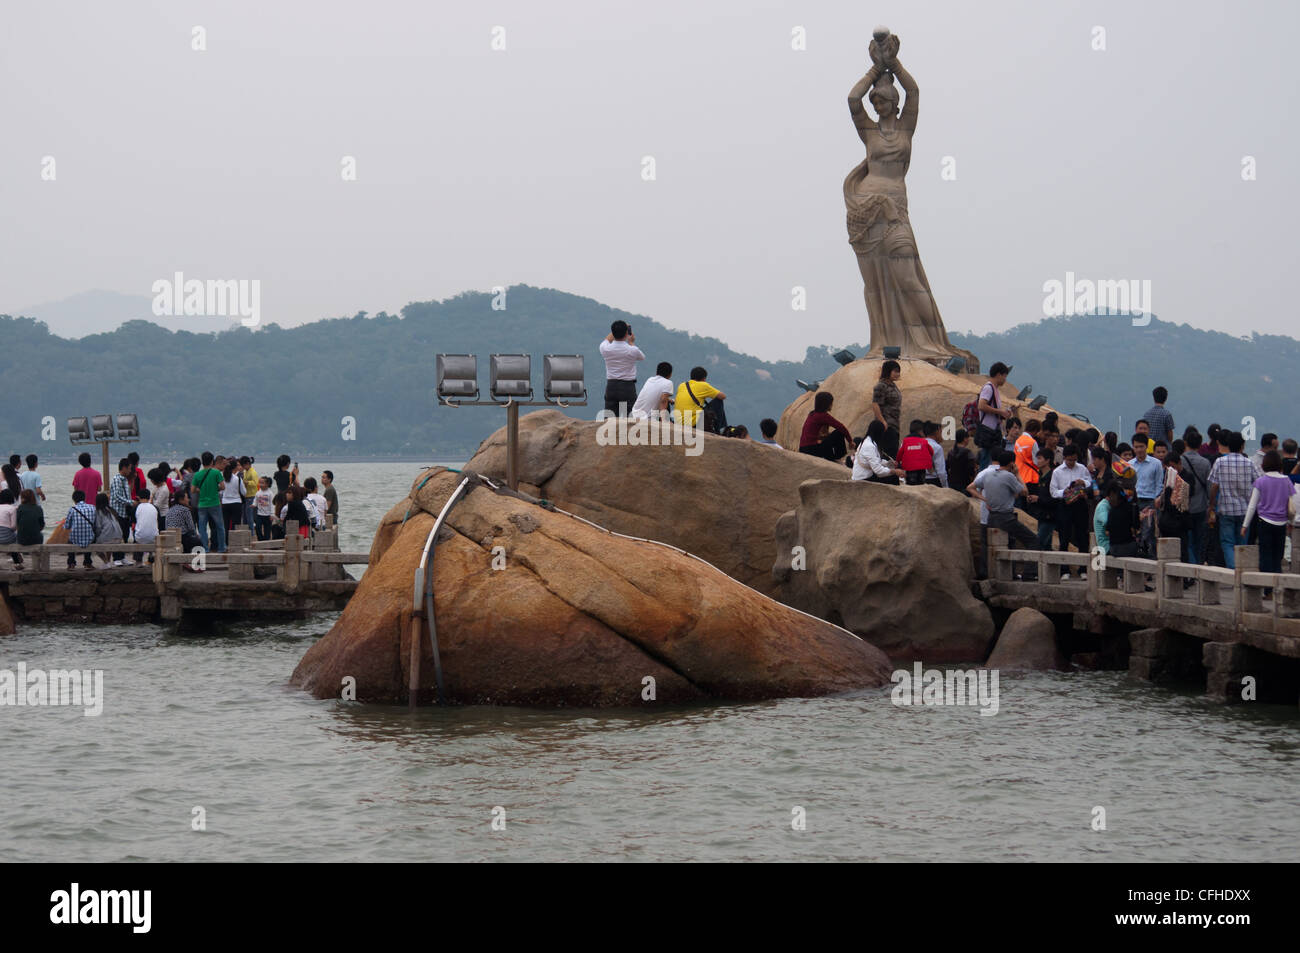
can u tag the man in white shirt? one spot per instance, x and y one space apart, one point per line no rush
316 503
621 354
656 397
937 474
1071 482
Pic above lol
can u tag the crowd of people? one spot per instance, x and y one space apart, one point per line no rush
1200 488
205 498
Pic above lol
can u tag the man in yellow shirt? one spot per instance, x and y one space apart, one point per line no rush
250 488
691 397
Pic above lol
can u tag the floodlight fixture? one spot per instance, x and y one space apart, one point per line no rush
562 378
893 352
845 357
511 378
805 385
101 427
956 364
79 430
1038 402
128 427
457 377
1083 417
1025 392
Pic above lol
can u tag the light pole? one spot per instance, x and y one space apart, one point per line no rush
510 386
99 429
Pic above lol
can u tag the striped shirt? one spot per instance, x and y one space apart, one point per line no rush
80 522
119 496
1235 475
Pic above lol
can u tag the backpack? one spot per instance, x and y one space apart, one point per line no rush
915 453
970 416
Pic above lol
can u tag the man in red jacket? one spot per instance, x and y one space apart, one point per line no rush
915 455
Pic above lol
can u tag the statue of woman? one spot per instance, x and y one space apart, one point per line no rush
899 302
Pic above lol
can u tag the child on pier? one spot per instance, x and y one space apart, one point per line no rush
263 508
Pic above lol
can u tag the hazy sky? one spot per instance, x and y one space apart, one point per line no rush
478 167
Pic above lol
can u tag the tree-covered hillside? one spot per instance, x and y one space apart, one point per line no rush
273 389
270 389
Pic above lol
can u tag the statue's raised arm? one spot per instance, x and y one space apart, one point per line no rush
861 120
907 118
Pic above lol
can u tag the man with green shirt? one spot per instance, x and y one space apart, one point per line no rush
208 484
331 495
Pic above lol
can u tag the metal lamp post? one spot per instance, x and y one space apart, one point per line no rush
99 429
510 386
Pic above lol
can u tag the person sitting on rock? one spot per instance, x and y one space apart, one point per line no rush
699 403
824 436
961 462
937 475
768 426
915 455
870 462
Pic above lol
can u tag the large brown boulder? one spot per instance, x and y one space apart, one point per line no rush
890 563
721 504
574 615
929 393
1026 643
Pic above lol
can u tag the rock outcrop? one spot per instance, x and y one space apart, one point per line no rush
1026 643
572 615
929 393
892 564
722 504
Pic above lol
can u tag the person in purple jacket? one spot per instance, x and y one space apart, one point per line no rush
1268 499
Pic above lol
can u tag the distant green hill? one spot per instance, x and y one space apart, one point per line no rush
276 389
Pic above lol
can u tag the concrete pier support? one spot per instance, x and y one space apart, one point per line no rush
1159 655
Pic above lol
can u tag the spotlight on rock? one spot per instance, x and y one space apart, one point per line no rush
806 386
892 353
511 377
1083 417
457 376
845 357
1024 393
1038 402
956 364
562 379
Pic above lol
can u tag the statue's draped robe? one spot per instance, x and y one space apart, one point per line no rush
900 305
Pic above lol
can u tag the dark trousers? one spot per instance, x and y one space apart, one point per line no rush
86 561
915 477
1016 531
125 523
232 514
1072 523
1272 543
831 447
620 396
890 441
263 525
190 541
1195 537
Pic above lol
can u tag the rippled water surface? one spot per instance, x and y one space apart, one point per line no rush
206 721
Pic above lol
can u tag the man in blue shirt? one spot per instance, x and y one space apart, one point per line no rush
1150 474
